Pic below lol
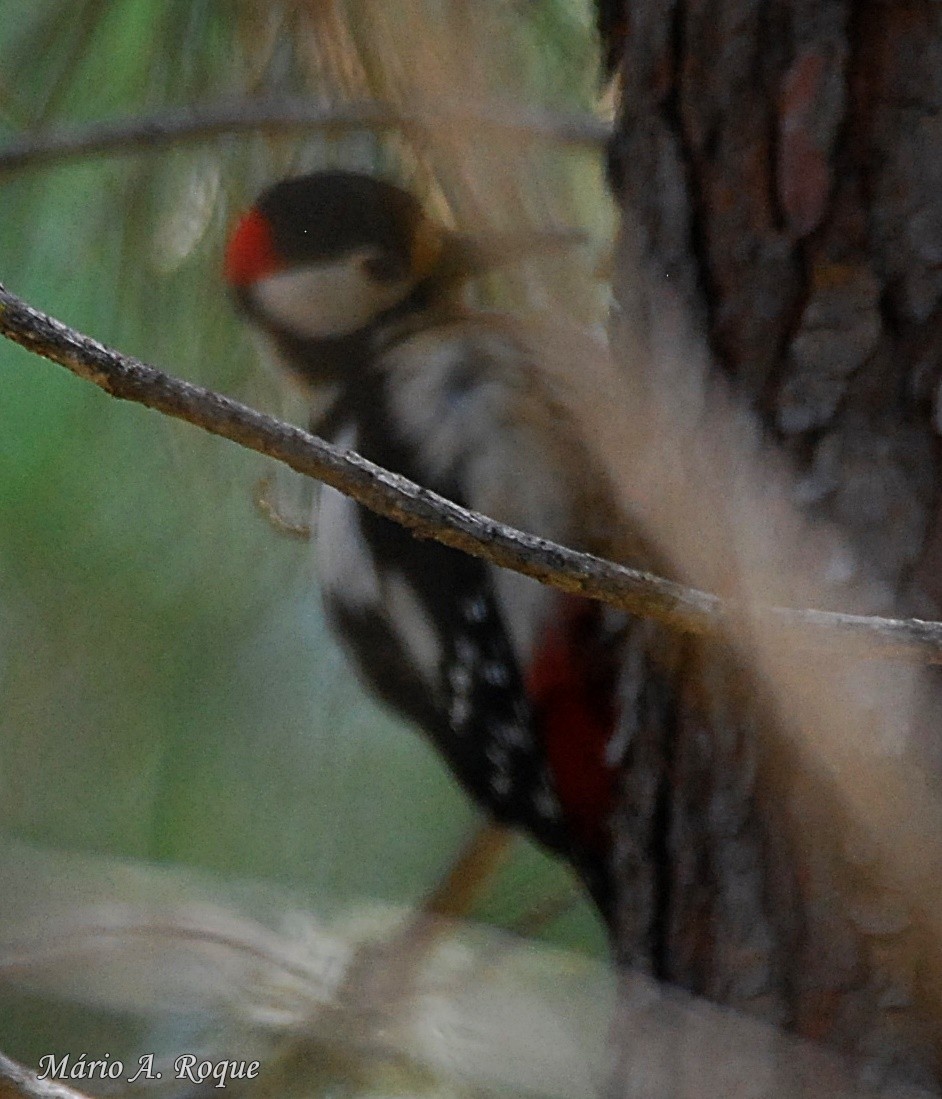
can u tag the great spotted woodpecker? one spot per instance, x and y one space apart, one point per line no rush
360 296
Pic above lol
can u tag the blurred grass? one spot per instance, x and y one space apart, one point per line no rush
167 688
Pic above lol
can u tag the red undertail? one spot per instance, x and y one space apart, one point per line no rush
571 687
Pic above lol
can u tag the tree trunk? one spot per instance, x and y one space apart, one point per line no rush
778 164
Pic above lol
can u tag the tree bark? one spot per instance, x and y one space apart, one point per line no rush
778 164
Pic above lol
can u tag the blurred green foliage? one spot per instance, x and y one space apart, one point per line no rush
167 688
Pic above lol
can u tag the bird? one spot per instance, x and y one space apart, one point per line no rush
361 297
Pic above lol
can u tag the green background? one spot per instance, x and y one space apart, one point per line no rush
168 693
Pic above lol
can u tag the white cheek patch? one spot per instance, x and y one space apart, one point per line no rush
333 298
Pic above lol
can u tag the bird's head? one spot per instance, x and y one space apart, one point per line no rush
322 256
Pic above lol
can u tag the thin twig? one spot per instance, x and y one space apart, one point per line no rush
301 532
454 896
211 120
429 515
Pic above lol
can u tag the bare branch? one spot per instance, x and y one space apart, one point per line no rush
429 515
194 124
17 1082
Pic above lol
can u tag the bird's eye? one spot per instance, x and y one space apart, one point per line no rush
386 267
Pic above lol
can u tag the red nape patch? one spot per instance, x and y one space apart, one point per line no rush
571 687
250 254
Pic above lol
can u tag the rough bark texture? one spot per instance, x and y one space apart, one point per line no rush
779 167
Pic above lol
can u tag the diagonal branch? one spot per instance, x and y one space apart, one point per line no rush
193 124
429 515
